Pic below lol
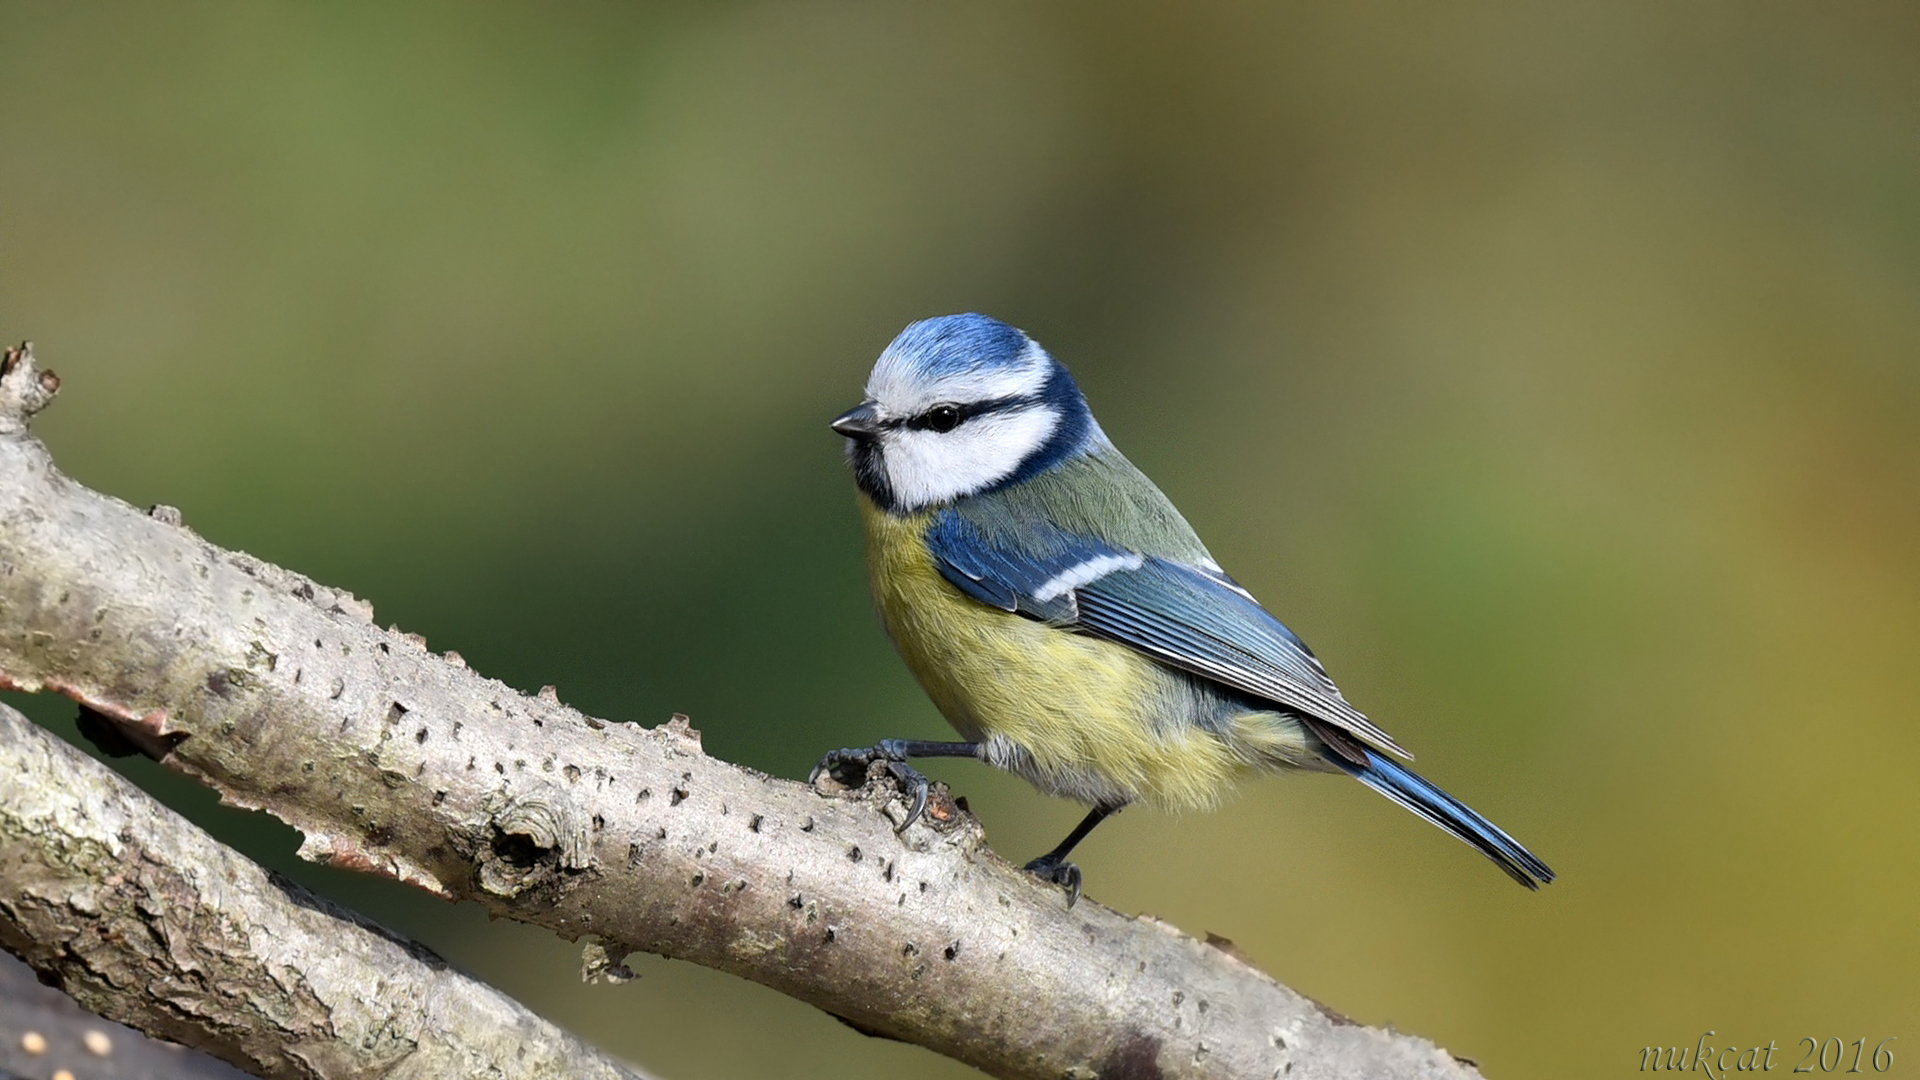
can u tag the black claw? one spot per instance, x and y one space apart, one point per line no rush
1057 871
850 767
916 787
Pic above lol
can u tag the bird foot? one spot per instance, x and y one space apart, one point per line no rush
1056 870
852 767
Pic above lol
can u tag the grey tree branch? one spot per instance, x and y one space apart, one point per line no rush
284 696
144 918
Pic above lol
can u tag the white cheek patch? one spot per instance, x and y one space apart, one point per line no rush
927 467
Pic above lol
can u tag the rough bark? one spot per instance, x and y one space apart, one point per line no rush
283 695
43 1030
141 916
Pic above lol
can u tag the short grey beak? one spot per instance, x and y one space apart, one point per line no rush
861 420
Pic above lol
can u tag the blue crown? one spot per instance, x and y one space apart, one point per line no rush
955 344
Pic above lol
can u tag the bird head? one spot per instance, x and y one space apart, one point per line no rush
959 405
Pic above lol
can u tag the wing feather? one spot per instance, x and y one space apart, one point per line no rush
1193 618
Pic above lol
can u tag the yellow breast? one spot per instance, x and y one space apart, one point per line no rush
1078 716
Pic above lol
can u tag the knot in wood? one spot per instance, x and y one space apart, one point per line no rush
533 842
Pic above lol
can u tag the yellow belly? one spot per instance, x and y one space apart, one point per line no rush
1078 716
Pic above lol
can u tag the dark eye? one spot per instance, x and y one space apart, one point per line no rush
943 417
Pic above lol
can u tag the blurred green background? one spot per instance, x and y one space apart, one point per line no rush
1553 369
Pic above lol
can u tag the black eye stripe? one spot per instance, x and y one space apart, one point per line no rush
967 410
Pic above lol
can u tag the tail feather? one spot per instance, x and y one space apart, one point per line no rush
1416 793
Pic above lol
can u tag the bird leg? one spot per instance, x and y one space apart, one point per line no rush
1054 867
842 765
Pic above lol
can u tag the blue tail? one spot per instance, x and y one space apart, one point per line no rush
1417 794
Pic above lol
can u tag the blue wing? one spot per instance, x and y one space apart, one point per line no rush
1190 617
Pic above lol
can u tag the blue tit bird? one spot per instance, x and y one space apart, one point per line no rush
1064 617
